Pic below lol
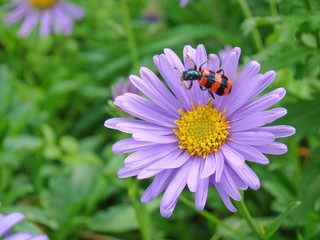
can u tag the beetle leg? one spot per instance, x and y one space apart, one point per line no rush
185 85
220 70
211 95
202 65
190 86
203 89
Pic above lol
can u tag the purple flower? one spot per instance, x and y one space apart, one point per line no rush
7 222
183 3
185 138
121 87
55 14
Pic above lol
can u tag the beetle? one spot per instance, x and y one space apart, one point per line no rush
214 82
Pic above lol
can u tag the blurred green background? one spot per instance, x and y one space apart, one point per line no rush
56 163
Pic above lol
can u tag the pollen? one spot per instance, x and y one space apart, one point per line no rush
43 3
201 130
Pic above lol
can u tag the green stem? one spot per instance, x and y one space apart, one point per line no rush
246 214
140 210
255 32
130 35
212 218
273 7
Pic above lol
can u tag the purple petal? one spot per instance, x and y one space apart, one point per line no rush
172 78
129 145
233 157
159 183
149 154
236 179
133 125
230 63
45 26
62 20
174 160
16 14
258 119
193 177
144 109
200 197
219 165
125 172
166 212
9 221
252 138
247 175
40 237
278 131
29 23
255 106
155 138
21 236
176 186
152 87
76 11
229 186
274 148
240 86
225 198
250 153
209 166
183 3
214 63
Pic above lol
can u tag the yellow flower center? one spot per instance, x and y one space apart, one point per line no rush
201 130
43 3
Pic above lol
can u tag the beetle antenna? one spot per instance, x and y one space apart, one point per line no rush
178 70
195 65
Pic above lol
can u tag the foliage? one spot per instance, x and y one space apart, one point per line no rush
56 163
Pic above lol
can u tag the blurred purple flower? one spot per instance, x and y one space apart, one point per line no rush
55 14
183 3
121 88
7 222
184 138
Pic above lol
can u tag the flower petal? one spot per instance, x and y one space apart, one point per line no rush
258 119
200 197
250 153
252 138
193 177
29 23
9 221
159 183
144 109
176 186
225 198
129 145
219 165
233 157
278 131
274 148
209 166
149 154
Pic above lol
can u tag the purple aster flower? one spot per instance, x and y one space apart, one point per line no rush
121 87
7 222
183 3
55 14
185 138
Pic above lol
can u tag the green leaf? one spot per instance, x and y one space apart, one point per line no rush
118 218
272 228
